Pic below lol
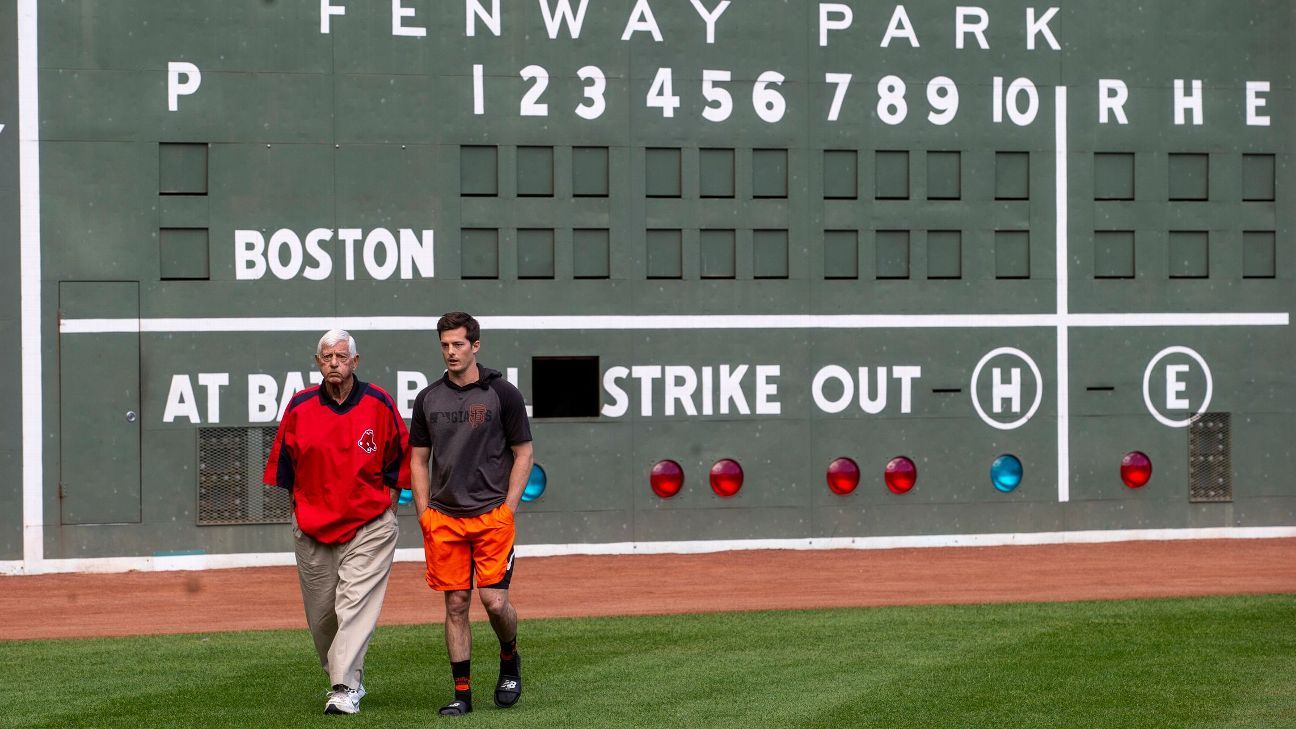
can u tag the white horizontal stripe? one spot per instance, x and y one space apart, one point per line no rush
415 554
701 321
1152 319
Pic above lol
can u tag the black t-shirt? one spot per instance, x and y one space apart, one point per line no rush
470 430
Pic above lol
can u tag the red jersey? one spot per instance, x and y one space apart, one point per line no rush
339 460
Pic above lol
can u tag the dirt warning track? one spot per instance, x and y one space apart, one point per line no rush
140 603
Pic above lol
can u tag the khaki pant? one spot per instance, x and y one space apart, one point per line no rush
342 588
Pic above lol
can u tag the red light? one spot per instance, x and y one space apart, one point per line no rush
843 476
1136 469
901 474
726 477
666 478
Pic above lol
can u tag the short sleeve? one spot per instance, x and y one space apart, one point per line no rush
517 428
419 437
396 468
279 467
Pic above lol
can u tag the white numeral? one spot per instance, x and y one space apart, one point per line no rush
1019 117
720 96
660 95
479 104
531 105
891 106
593 92
768 102
943 96
842 80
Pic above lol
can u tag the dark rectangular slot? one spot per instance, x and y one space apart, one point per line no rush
1101 388
946 390
565 387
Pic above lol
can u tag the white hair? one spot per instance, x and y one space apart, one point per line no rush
333 337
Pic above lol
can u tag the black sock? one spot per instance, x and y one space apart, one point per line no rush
460 670
508 656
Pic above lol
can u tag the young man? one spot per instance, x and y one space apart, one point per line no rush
342 451
473 424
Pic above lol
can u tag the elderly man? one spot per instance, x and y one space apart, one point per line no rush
342 449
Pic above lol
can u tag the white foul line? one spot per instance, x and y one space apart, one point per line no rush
30 291
1063 282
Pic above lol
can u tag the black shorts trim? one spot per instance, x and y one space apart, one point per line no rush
508 576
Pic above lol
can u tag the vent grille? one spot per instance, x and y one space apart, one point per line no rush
230 463
1210 463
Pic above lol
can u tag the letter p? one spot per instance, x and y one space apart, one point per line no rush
833 16
183 79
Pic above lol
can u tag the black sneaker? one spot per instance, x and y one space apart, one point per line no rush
509 687
458 707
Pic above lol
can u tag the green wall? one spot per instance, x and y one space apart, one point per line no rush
363 142
11 540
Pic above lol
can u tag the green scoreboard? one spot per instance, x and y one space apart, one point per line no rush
769 273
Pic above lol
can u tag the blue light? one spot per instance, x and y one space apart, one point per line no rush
1006 472
535 483
406 496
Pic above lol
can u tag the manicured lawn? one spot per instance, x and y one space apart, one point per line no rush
1216 662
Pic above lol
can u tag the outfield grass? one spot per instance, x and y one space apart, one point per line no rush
1215 662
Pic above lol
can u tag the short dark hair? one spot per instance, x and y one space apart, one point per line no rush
456 319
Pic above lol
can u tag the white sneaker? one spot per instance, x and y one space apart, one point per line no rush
344 700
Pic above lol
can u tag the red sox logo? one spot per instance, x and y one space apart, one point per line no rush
366 441
476 414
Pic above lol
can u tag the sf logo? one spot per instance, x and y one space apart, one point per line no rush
366 442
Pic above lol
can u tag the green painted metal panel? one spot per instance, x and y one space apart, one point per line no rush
1012 254
769 173
891 181
716 170
535 253
11 504
479 171
1113 176
1259 255
183 211
1258 177
770 253
892 253
944 176
1189 254
944 254
535 171
590 172
1012 176
1114 254
664 254
662 172
99 408
590 253
480 253
1189 176
183 254
182 169
841 254
718 253
369 164
89 239
840 174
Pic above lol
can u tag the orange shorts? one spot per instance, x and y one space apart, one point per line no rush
460 548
